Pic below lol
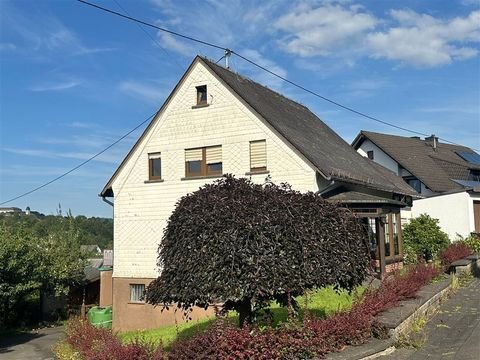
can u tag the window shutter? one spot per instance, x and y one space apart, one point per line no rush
193 155
214 154
258 154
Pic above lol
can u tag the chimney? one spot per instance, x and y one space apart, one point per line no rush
432 140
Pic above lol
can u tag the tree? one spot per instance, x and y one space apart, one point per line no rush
423 237
30 263
19 275
244 245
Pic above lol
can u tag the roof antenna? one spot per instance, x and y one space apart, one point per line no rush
228 52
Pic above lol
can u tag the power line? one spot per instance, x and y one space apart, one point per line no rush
151 25
81 164
151 37
336 103
325 98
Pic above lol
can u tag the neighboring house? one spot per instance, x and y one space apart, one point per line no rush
216 122
91 250
87 291
10 210
446 176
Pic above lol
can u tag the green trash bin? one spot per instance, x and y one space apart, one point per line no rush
100 316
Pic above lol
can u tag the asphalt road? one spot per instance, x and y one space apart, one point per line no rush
454 332
36 345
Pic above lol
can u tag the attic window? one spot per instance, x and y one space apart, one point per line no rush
154 166
370 154
202 95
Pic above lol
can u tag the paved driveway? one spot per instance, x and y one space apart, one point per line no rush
31 346
454 332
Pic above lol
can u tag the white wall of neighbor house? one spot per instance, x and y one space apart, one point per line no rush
379 156
454 212
142 209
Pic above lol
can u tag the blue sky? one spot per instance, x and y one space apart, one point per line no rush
74 79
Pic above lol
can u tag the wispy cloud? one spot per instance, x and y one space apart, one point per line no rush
82 125
90 141
259 75
55 86
45 36
149 92
7 46
111 157
29 170
451 109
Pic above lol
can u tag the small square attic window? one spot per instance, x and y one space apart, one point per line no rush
202 95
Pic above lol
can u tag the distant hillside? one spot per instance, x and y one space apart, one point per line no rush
92 231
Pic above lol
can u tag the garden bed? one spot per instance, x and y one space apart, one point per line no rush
310 337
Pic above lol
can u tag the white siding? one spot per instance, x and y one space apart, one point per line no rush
379 155
141 209
454 212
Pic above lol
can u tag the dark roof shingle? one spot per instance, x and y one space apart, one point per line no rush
434 167
322 147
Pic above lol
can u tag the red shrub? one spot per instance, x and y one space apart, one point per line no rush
455 252
101 344
223 340
313 338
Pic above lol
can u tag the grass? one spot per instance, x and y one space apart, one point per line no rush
320 303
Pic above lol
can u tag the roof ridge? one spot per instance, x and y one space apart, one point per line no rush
211 62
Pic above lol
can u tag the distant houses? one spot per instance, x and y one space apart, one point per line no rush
11 211
446 176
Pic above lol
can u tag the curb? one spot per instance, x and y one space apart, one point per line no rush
398 320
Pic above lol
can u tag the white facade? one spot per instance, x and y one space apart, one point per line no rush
454 212
141 208
379 156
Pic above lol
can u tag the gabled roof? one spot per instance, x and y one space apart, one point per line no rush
326 151
436 168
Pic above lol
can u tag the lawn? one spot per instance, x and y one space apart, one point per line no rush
320 303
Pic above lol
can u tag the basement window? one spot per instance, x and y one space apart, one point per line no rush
202 95
137 293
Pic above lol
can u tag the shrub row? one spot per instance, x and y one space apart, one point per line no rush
454 252
312 338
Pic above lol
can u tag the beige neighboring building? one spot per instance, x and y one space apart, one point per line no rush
217 122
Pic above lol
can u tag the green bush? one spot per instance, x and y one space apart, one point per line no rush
471 241
423 238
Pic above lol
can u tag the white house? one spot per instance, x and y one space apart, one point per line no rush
216 122
446 176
